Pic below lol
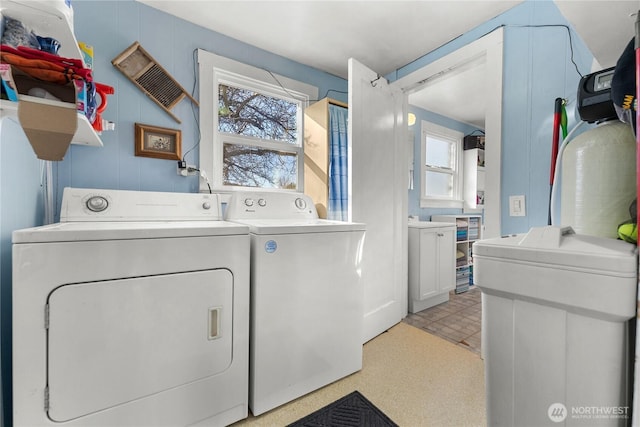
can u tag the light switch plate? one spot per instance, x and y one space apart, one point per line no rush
517 206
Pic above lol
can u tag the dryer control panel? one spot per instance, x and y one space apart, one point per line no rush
85 204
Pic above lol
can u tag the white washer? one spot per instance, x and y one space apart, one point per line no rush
306 296
132 311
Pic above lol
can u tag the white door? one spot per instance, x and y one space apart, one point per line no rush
378 194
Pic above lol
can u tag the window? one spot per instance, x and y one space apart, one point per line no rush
441 167
251 125
266 147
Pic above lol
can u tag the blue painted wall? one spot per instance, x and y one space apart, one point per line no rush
537 70
112 26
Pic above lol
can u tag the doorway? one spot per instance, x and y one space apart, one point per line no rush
458 86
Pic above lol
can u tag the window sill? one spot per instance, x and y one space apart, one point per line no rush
441 203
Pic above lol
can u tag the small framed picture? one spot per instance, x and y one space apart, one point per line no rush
158 142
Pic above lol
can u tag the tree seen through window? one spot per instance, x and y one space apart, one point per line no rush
268 126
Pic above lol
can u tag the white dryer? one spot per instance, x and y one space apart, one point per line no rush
306 296
132 311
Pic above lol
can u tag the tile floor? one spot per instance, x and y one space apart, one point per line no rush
457 320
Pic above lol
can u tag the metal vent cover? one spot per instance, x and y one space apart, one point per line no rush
145 72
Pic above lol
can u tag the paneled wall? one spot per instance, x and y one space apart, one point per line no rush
112 26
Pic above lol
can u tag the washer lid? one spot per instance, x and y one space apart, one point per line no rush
291 226
558 247
83 231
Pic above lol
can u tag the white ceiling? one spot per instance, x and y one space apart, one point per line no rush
606 26
458 94
386 35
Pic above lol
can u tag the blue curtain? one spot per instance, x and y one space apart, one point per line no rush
338 173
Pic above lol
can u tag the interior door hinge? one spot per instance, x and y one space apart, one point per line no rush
46 398
46 316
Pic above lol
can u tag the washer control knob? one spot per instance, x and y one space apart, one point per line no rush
248 202
97 203
206 206
300 203
262 202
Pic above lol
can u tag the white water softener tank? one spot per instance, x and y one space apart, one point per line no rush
556 308
599 179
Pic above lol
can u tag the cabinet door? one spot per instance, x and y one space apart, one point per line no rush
447 258
429 264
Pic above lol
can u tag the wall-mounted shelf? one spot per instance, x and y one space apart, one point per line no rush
48 19
85 134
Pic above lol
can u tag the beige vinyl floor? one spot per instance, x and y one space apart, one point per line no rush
416 378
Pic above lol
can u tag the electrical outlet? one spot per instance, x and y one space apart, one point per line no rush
187 170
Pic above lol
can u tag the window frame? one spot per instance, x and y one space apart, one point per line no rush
215 69
456 200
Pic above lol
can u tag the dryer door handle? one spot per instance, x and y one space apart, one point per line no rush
214 322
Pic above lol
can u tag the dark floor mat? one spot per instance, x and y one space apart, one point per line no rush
353 410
